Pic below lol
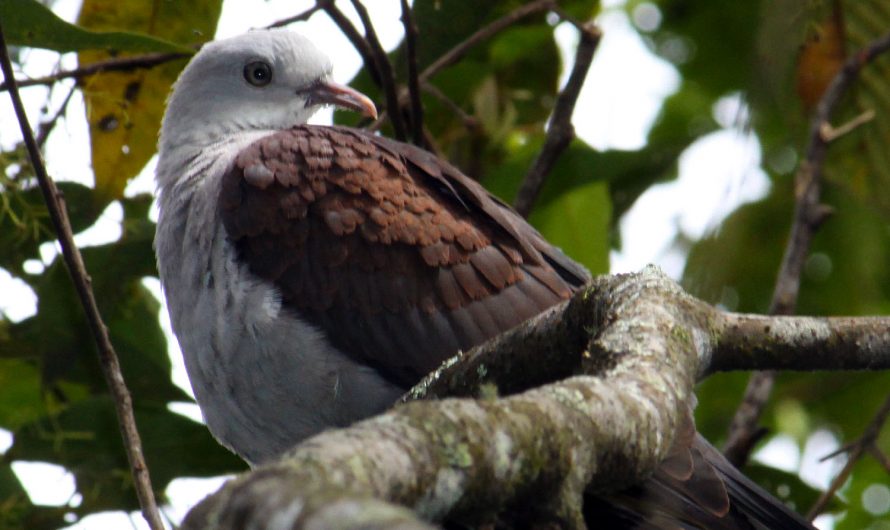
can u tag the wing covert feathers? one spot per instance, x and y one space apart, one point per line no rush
353 227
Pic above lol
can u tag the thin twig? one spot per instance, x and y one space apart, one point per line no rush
305 15
358 42
455 54
147 60
46 127
417 135
808 215
109 361
880 456
560 132
470 122
854 451
831 133
384 67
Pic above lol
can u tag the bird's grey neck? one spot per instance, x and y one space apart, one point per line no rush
184 157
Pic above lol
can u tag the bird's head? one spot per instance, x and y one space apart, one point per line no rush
268 79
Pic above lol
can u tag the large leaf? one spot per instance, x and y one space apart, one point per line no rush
30 23
124 109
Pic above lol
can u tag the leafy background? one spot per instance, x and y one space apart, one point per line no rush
776 55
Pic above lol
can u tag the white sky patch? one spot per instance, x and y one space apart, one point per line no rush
18 301
112 520
814 472
185 492
5 441
624 89
144 182
780 452
717 173
107 228
47 484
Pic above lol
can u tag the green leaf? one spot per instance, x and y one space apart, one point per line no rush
30 23
20 398
578 222
866 474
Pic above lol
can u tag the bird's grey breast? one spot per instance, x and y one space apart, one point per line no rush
264 379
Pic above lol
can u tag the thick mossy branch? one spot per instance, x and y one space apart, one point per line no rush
754 342
625 353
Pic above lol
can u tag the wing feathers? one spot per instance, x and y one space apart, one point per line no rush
352 227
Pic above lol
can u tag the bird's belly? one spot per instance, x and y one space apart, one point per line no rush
265 384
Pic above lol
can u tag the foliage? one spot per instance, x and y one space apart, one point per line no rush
52 396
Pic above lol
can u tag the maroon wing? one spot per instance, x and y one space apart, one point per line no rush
399 258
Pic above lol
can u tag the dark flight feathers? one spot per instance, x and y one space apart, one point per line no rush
402 260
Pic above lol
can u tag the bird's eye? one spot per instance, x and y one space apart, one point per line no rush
258 73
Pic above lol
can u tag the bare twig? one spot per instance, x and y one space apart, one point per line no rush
854 451
560 132
470 122
305 15
358 42
111 65
46 127
455 54
831 133
880 456
744 429
808 215
417 135
109 361
384 67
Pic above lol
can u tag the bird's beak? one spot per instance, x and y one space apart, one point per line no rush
328 92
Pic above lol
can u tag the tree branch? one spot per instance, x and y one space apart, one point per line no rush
470 122
455 54
358 42
300 17
44 128
755 342
639 342
107 356
809 214
148 60
384 68
560 132
854 451
417 135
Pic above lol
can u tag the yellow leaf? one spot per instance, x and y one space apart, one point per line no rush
124 109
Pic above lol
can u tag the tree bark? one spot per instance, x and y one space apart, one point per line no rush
625 352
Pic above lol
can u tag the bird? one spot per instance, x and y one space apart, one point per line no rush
315 273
